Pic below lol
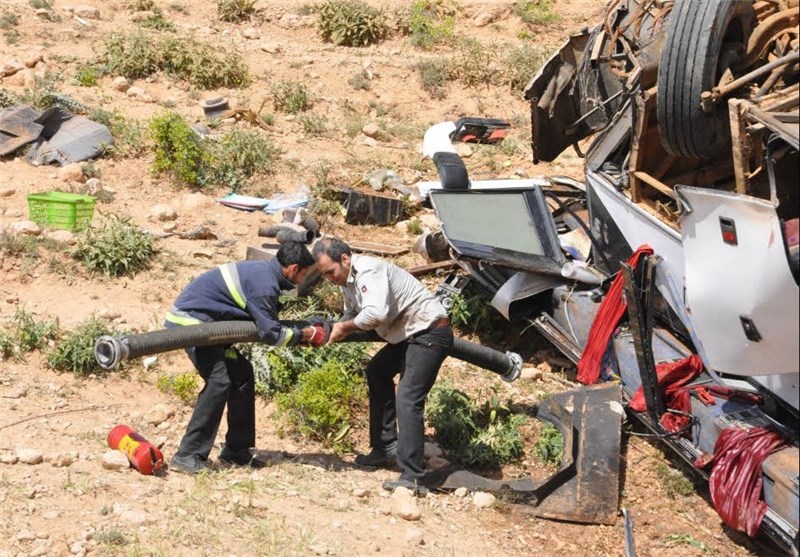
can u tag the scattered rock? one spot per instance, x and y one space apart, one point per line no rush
163 212
88 12
531 373
114 460
432 450
62 236
270 48
203 254
10 67
134 517
464 150
139 94
415 536
44 13
483 500
8 458
251 33
32 59
7 192
405 505
361 492
461 492
121 84
28 78
160 413
18 392
318 549
170 227
438 463
63 460
24 228
29 456
72 173
371 130
429 220
25 536
143 15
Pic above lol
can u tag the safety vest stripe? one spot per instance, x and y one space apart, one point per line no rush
231 354
286 336
174 315
231 277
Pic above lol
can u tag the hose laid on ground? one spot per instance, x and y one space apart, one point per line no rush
284 233
110 351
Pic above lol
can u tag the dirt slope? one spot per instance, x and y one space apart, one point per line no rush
308 501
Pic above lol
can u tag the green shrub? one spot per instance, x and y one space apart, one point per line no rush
185 386
74 352
278 369
129 134
241 154
291 96
351 23
7 98
521 63
319 406
675 481
40 4
535 12
138 55
471 311
24 333
179 151
415 227
142 6
314 125
323 201
476 64
8 21
234 11
434 75
116 247
549 446
485 436
361 81
88 76
431 22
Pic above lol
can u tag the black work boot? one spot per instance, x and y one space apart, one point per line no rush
242 457
379 457
188 464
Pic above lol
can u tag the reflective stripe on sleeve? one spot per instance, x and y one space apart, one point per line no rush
231 354
231 277
287 335
179 317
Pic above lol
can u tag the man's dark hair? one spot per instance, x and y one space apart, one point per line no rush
333 248
294 252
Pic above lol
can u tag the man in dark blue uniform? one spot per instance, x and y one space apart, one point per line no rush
247 290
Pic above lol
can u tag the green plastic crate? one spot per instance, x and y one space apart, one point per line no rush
65 211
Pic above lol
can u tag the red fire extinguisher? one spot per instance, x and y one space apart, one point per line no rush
143 455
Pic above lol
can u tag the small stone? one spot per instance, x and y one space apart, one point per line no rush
31 60
72 173
43 13
461 492
270 48
531 373
160 413
415 536
87 12
483 500
170 227
8 458
438 463
143 15
371 130
251 33
163 212
405 506
18 392
63 460
139 94
10 67
432 450
29 456
483 19
121 84
25 536
464 151
114 460
203 254
361 492
7 192
24 228
61 236
318 549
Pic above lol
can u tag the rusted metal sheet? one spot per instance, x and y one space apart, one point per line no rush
376 209
591 495
18 127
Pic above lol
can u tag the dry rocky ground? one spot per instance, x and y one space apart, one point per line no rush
57 496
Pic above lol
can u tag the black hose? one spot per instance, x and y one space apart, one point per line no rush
110 351
307 222
290 235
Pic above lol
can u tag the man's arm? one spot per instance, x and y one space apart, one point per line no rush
341 329
264 313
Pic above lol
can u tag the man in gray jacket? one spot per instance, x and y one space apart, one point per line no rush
383 297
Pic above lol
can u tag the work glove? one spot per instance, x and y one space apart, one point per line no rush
322 331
